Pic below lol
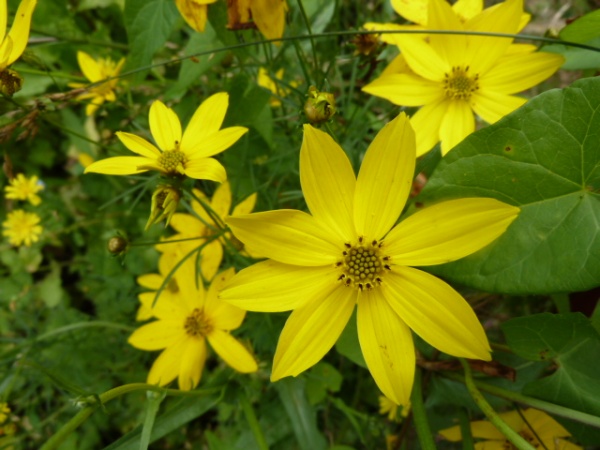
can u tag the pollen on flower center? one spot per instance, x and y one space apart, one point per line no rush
196 324
363 265
172 161
459 85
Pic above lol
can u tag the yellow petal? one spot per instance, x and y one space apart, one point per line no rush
484 51
207 120
385 179
269 17
150 281
427 122
164 126
466 9
328 182
450 47
121 165
491 445
456 125
311 331
448 231
544 425
166 367
216 142
3 19
5 50
492 106
206 169
520 72
387 346
232 351
223 315
436 312
221 200
405 89
192 362
89 66
422 58
187 225
270 286
210 259
245 206
195 14
398 65
412 10
19 32
287 236
138 145
168 306
157 335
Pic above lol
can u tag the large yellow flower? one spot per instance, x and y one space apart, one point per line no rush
184 325
536 427
187 153
194 12
22 228
267 15
349 252
95 71
23 188
13 44
452 76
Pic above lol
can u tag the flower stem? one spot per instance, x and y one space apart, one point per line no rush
253 422
419 416
514 437
542 405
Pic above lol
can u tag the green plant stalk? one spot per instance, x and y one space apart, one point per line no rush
515 438
253 422
310 33
419 415
465 430
96 401
153 404
51 73
542 405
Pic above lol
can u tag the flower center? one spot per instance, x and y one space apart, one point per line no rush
196 324
459 85
172 161
363 265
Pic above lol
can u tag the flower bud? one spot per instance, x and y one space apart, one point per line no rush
164 204
10 82
117 245
319 107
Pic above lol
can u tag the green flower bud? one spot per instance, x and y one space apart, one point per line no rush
10 82
164 204
319 107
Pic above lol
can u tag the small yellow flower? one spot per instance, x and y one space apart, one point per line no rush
453 76
534 426
203 225
13 44
184 326
194 12
187 153
349 253
4 412
23 188
96 71
267 15
21 228
274 85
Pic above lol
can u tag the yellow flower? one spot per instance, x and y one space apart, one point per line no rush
348 252
452 76
274 85
180 154
154 281
203 226
184 325
267 15
13 44
23 188
96 71
21 228
535 427
194 12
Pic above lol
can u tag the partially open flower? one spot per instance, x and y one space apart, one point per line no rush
164 204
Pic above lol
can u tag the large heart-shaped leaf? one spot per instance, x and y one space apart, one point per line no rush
545 158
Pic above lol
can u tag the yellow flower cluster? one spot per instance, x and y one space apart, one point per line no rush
22 227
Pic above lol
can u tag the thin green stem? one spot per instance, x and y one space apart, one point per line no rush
51 73
94 402
465 430
310 33
542 405
81 325
419 415
253 422
102 44
153 404
515 438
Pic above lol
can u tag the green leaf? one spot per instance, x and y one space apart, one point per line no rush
185 411
301 414
577 58
584 29
149 23
348 344
321 378
573 344
545 158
